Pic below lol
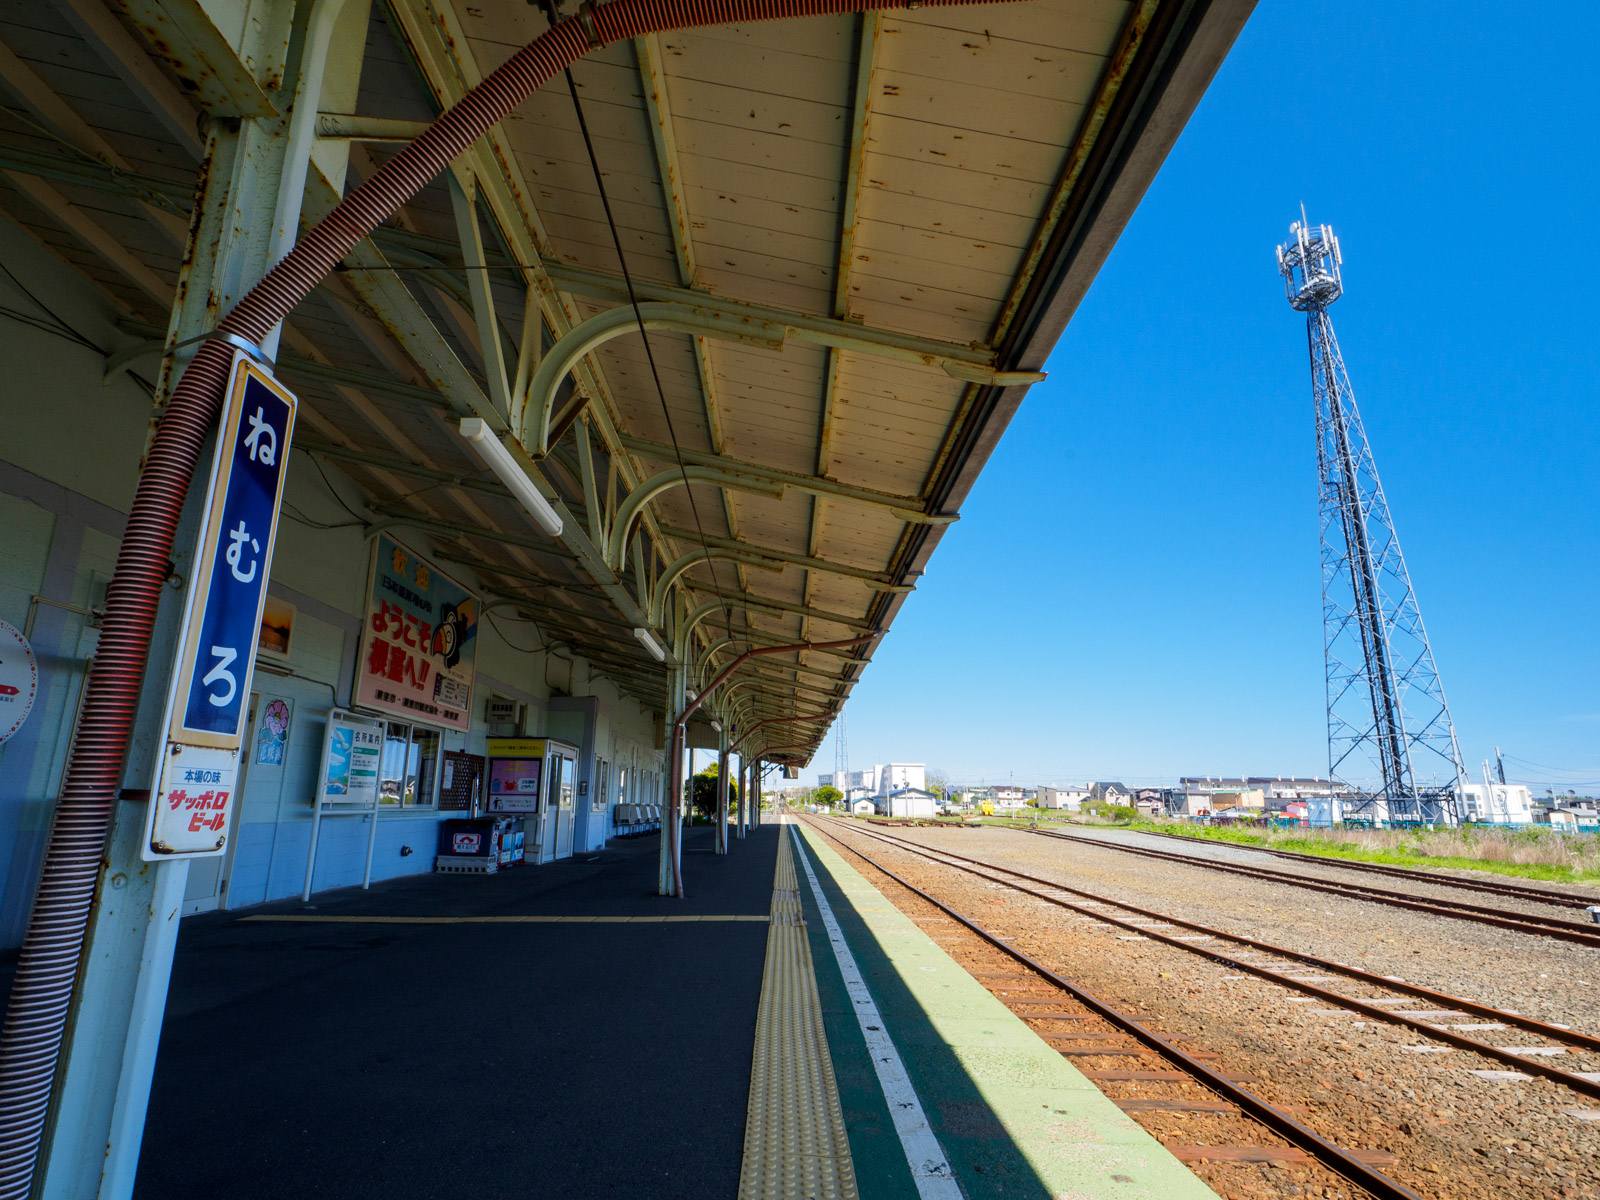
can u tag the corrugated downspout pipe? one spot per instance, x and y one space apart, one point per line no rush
30 1045
672 827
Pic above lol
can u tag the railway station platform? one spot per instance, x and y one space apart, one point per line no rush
562 1031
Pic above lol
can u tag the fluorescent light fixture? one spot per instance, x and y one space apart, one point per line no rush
498 459
717 725
648 641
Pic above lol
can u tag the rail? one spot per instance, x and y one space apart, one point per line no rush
1573 931
1338 1159
1570 1037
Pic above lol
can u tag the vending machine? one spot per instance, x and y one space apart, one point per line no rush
537 778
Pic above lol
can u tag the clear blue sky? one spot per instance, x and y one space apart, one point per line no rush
1143 547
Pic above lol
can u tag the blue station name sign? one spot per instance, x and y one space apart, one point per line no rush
193 801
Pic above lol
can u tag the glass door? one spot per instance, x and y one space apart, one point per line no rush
566 772
544 821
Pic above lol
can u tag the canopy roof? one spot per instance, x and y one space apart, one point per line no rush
853 242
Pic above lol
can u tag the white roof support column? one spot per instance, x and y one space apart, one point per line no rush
92 1145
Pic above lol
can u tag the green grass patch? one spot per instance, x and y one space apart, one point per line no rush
1486 851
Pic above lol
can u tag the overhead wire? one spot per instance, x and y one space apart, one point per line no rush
552 14
58 325
333 491
489 616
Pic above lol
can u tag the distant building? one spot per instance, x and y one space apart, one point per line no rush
877 780
1224 793
1069 798
1574 816
908 804
1110 792
1151 802
864 781
1498 803
863 808
1289 787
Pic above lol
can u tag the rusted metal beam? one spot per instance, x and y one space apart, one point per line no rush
202 57
658 107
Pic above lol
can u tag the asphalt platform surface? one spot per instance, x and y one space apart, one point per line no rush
469 1060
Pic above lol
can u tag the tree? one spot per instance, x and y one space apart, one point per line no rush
827 795
938 782
703 791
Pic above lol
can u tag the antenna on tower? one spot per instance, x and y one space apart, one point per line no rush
1388 723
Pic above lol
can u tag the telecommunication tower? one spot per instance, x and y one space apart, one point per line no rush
1390 736
841 757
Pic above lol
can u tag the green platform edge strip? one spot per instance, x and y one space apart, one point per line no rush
1074 1140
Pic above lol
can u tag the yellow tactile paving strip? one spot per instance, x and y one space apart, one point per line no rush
523 920
795 1144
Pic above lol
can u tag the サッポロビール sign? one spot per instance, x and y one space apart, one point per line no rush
208 701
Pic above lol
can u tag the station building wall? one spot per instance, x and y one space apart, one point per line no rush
69 457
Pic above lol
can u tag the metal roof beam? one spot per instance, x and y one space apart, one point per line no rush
755 604
759 478
630 510
199 53
824 330
709 317
687 562
653 75
766 670
766 556
820 330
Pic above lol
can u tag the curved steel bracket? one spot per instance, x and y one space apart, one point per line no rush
628 511
658 598
708 320
586 336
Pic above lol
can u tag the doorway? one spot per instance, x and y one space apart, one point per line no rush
563 779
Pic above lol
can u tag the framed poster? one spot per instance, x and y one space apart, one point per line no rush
352 752
514 784
272 733
419 641
276 634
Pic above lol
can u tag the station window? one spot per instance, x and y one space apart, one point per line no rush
600 800
409 777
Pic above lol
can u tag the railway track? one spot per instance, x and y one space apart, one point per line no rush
1498 888
1584 933
1084 1041
1433 1023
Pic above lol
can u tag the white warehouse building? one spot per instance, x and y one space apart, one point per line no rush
878 780
1498 803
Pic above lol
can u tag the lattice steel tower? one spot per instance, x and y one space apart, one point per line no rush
1389 731
841 757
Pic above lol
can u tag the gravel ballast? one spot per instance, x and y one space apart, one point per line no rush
1361 1083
